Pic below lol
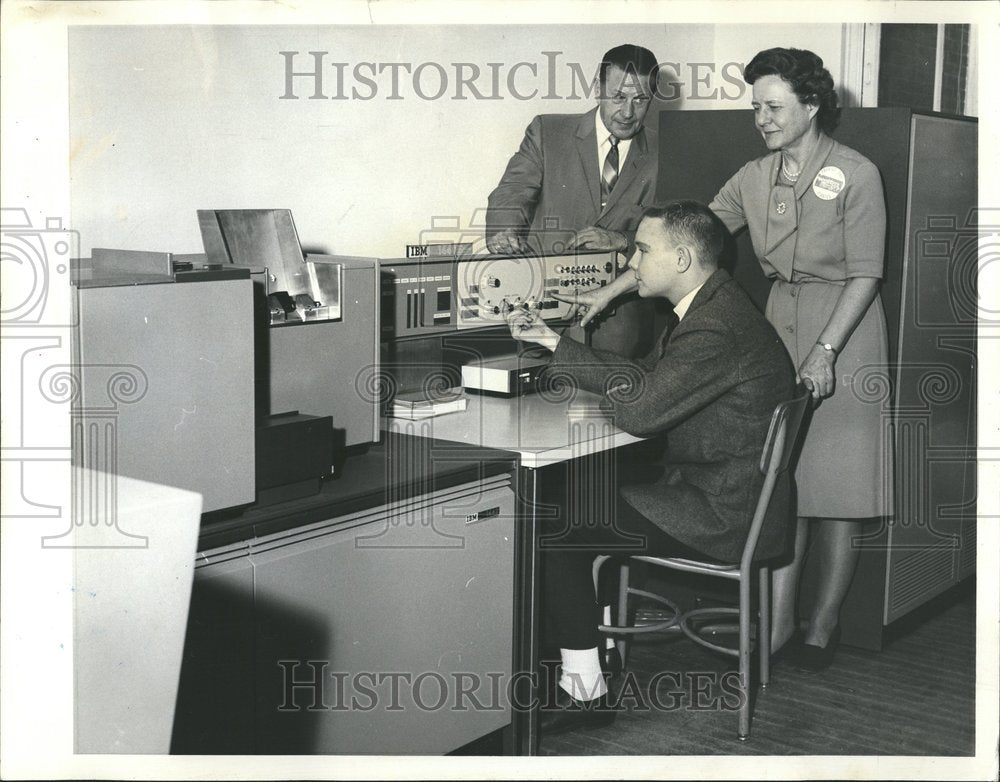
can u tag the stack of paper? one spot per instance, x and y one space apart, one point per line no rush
420 405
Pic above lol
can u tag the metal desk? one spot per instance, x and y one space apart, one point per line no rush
366 589
542 429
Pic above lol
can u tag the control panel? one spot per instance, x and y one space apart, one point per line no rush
429 296
418 297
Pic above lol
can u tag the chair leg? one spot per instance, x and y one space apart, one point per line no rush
764 627
622 619
744 717
599 560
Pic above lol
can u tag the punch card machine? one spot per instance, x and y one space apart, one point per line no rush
317 356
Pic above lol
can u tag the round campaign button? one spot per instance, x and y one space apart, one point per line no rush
828 183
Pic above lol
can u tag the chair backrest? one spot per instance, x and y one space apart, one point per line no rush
778 447
785 422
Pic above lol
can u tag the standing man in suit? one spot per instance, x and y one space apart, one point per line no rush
710 384
582 181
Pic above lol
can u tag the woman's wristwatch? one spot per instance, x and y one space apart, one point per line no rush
828 347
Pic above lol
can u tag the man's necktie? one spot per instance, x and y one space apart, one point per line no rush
672 321
609 174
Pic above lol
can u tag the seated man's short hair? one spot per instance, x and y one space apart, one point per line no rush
694 224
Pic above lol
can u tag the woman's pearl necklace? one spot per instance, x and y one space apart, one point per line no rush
788 174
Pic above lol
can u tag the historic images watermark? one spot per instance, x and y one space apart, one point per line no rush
35 328
38 325
928 403
318 75
310 685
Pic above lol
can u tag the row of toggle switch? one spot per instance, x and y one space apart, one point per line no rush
579 269
578 282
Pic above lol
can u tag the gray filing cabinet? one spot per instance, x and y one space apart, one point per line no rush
932 541
386 631
165 372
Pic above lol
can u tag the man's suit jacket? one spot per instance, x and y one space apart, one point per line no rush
552 188
552 185
711 385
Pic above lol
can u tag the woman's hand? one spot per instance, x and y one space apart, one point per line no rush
817 372
590 304
586 305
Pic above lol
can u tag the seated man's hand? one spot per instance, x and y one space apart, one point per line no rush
594 238
507 242
587 305
526 325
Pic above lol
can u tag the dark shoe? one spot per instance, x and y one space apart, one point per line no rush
548 682
611 661
789 649
571 714
818 658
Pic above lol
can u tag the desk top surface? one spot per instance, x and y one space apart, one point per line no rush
542 428
397 468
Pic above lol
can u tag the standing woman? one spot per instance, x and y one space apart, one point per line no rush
816 215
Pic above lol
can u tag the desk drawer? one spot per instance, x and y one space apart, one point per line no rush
384 632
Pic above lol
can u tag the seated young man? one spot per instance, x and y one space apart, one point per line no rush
711 383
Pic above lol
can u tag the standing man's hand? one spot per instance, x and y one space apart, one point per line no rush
594 238
507 242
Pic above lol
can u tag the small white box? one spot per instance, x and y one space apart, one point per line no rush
504 376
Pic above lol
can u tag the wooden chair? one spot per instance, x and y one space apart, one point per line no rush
778 447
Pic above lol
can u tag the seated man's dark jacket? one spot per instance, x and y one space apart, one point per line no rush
711 384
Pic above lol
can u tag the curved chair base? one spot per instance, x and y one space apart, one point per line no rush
671 623
695 634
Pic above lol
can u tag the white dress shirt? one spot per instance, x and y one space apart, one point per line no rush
604 144
682 306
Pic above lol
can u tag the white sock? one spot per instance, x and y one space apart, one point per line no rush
581 674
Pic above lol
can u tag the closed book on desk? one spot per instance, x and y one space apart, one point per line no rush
420 405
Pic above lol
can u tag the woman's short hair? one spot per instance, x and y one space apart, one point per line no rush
804 72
